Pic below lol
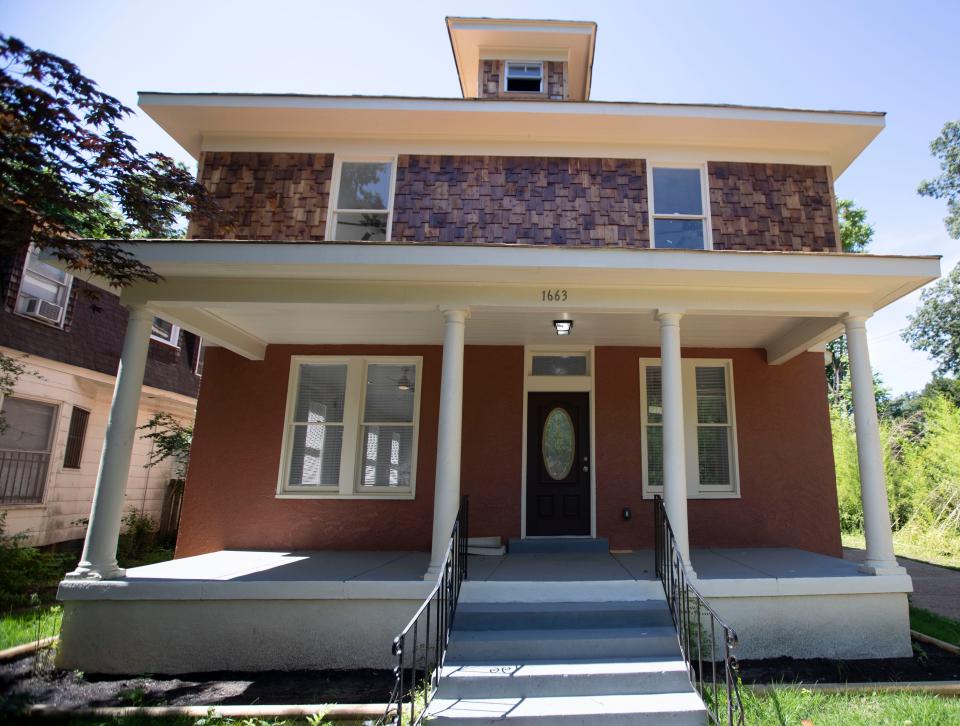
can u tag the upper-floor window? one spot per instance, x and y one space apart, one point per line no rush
363 199
523 77
44 290
166 332
678 206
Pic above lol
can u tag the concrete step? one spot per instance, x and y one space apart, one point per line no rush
671 708
486 551
574 591
540 678
518 616
548 545
561 644
484 542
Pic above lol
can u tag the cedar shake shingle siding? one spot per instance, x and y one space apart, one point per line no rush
783 207
266 196
520 200
526 200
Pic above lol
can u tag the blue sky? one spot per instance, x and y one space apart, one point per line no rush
898 57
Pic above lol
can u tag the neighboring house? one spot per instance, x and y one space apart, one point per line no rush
57 415
556 306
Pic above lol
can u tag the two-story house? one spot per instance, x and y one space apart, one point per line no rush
69 342
559 307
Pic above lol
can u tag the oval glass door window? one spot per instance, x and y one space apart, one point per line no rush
558 444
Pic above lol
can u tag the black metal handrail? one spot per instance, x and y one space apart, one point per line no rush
421 646
703 634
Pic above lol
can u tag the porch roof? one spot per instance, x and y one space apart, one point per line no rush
246 295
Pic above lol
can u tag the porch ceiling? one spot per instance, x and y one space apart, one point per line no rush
306 323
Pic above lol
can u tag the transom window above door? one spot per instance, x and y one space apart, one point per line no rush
678 208
363 201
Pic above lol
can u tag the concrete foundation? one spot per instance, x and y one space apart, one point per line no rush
184 636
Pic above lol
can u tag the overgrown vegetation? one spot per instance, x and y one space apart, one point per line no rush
921 444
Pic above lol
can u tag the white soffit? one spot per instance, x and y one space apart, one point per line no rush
473 39
838 137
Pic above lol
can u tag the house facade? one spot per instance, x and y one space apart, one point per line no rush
559 307
69 343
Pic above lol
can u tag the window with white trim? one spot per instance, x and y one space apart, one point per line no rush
709 419
523 77
165 332
362 201
678 207
351 427
44 290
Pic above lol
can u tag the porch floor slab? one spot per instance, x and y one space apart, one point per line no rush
394 566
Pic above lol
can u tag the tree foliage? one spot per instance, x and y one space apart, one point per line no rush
856 233
935 326
68 171
170 439
946 148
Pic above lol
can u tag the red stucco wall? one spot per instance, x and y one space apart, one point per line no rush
786 460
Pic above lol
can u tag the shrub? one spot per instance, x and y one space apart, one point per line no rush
26 571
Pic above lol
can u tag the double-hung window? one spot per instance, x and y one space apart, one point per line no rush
351 427
165 332
25 446
363 200
44 290
678 206
709 428
524 77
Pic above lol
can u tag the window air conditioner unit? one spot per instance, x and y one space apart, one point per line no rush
42 309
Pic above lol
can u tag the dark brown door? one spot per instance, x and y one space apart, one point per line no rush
558 464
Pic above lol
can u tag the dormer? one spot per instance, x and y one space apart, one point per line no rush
539 60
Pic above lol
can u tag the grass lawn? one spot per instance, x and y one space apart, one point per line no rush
23 627
936 550
936 626
793 705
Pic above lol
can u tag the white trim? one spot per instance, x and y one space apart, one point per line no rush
348 486
196 364
702 167
690 427
332 208
554 384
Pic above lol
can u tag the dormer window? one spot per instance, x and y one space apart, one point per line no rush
524 77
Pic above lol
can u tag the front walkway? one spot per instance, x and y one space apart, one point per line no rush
935 588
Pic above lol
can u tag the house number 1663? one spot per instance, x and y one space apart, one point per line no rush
553 296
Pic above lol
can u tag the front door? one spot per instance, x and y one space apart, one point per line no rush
558 464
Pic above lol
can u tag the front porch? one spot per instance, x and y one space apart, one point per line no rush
231 610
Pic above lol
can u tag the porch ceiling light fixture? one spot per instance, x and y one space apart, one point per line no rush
404 383
564 327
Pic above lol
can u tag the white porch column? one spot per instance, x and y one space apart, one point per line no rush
99 559
674 455
873 487
446 495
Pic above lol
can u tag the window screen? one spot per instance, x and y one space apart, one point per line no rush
388 425
75 438
318 426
